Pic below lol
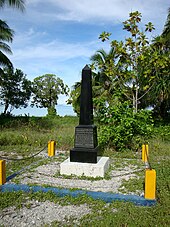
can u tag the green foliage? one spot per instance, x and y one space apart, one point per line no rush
51 111
166 31
23 134
158 67
104 36
15 89
18 4
6 33
122 66
10 199
74 98
46 90
121 128
136 66
6 36
163 132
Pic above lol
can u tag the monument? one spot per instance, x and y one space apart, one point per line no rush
85 145
83 157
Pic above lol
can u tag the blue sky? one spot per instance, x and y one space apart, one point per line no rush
60 36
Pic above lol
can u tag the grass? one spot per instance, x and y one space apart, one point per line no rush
18 137
35 132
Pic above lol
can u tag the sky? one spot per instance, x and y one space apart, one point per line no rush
59 36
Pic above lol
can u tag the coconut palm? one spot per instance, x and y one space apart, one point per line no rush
166 31
161 91
105 64
19 4
6 35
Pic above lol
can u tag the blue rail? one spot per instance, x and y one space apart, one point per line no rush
105 196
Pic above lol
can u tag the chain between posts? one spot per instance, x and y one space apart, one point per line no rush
124 174
21 159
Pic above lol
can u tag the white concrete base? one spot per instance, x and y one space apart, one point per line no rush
85 169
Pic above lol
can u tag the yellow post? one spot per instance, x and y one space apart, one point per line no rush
51 148
2 172
145 152
150 184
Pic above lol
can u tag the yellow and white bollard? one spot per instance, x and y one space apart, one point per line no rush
2 172
51 148
145 152
150 184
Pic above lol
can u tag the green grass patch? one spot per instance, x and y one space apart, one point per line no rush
23 136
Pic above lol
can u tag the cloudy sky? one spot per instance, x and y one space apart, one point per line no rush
59 36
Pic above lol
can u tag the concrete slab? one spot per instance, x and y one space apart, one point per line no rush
85 169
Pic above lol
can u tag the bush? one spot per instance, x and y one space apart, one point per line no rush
121 128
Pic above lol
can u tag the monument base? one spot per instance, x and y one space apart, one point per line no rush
85 169
85 155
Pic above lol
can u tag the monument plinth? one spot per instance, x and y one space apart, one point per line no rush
83 157
85 143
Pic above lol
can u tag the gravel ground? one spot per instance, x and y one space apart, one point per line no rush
40 213
45 174
48 174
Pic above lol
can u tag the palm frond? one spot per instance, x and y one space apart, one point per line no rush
4 47
6 33
4 61
19 4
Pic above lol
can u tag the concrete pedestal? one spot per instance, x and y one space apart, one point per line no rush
85 169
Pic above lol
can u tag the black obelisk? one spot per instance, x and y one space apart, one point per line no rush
85 143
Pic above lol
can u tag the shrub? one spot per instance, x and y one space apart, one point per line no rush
121 128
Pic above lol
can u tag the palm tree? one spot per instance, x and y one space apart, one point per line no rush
166 31
19 4
75 97
109 81
6 34
104 63
161 91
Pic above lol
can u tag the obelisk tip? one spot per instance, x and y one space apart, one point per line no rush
86 68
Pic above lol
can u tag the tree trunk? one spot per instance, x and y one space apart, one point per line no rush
163 109
6 107
136 100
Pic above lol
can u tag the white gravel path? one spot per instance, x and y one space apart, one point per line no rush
41 213
45 175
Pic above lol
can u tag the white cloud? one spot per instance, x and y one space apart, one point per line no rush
36 50
37 56
99 10
39 49
55 49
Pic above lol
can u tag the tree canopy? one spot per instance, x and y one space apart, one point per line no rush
18 4
15 89
134 70
46 90
133 76
6 33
